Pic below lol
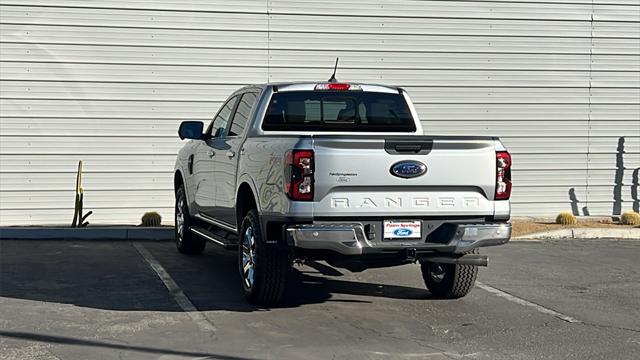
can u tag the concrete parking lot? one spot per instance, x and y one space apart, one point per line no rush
104 300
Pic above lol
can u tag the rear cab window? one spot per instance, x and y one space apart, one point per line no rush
338 111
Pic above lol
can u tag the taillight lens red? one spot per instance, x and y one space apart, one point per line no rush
337 86
503 175
298 174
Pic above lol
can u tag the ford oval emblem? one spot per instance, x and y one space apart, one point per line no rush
408 169
402 232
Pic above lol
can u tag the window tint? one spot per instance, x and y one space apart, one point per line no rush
338 111
221 120
242 114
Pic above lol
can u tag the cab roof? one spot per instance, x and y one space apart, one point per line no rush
311 86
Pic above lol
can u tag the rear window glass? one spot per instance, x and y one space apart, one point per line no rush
338 111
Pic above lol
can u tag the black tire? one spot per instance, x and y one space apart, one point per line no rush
448 281
264 278
186 242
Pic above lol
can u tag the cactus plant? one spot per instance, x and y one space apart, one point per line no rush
630 218
566 218
78 217
151 218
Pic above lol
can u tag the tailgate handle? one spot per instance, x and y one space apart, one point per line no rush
398 147
408 148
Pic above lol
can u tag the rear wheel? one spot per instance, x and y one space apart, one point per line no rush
186 242
448 281
263 267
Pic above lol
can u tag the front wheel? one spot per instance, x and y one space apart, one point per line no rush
448 281
186 242
263 267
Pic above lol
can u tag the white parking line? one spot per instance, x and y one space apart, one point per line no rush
524 302
437 355
178 295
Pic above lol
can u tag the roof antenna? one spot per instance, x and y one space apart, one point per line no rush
332 79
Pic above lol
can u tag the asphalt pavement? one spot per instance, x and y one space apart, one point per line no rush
575 299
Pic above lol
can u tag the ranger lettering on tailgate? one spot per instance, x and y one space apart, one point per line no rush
400 202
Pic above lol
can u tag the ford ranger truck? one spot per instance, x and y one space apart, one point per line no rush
339 172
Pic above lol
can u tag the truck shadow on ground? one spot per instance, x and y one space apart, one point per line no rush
212 282
111 275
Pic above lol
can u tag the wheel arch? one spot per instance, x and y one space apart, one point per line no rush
245 201
178 180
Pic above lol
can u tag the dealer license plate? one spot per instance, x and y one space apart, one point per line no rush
402 229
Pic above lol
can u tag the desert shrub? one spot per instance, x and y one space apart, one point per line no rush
566 218
151 218
630 218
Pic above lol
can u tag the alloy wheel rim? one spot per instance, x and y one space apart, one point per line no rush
180 220
248 257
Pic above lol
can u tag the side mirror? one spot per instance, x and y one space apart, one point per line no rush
190 130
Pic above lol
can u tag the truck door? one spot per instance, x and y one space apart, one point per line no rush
228 149
204 162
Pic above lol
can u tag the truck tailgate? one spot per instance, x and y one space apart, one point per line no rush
353 176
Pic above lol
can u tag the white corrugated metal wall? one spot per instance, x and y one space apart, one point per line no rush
109 81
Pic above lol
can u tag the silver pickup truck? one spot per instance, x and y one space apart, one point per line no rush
339 172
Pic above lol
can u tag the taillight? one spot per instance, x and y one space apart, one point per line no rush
337 86
298 174
503 175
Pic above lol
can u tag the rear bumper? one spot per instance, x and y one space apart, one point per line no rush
350 239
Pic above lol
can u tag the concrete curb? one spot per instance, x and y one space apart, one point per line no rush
88 233
584 233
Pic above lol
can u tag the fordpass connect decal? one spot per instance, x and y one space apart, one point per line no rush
402 230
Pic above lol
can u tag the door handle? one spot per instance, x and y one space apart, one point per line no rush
211 153
230 154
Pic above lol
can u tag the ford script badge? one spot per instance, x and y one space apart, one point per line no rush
408 169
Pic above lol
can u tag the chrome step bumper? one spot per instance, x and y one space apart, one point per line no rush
350 239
